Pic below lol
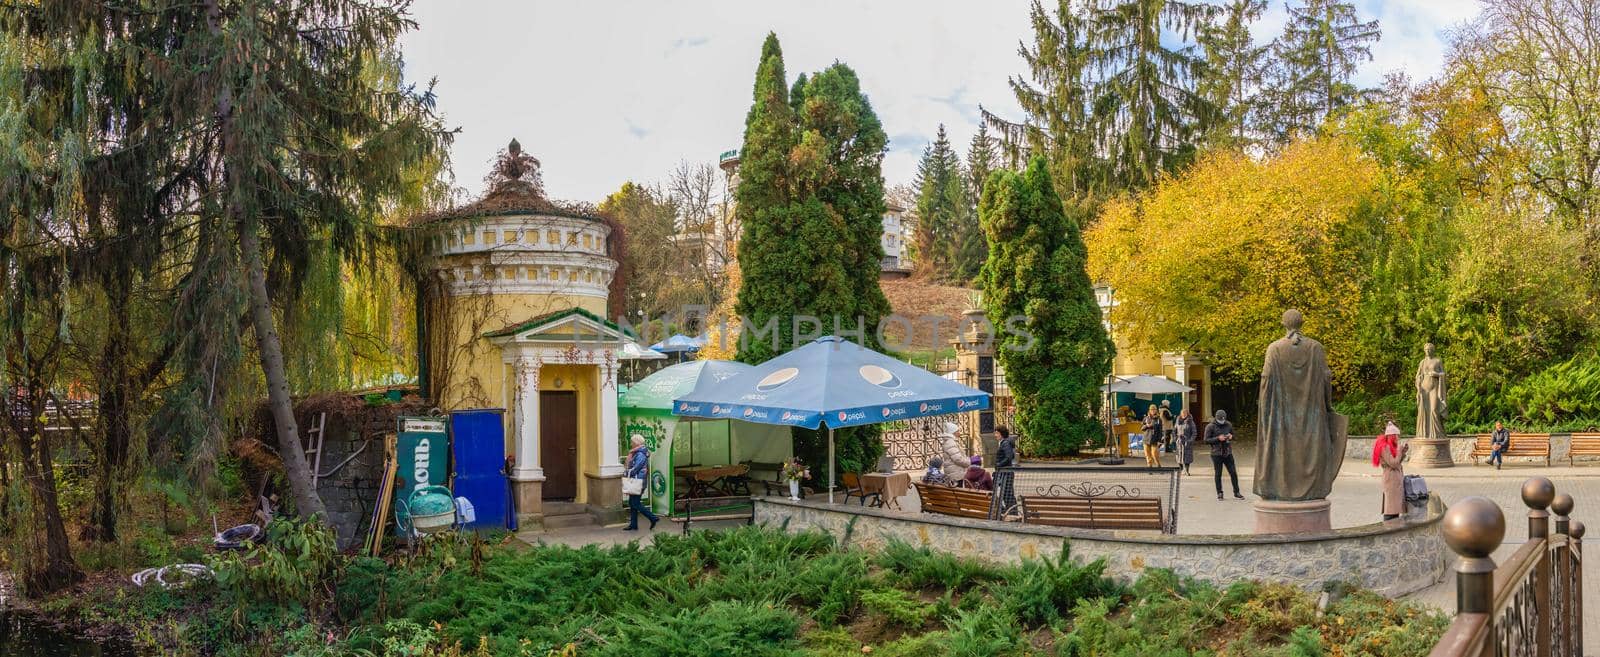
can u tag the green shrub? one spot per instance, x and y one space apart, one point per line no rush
1036 592
734 629
897 607
986 632
922 568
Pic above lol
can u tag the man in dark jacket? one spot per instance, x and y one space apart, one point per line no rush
1498 444
1005 456
1219 435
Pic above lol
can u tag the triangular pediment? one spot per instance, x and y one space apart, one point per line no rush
565 327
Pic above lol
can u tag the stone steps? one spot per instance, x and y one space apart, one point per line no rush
568 521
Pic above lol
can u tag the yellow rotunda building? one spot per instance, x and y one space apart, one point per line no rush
511 316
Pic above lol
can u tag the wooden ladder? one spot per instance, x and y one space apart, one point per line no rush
314 438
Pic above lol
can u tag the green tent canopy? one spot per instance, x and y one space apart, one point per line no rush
645 410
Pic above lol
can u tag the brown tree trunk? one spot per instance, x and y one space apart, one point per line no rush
302 489
116 430
38 473
296 469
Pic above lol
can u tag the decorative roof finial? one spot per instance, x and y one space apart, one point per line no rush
516 171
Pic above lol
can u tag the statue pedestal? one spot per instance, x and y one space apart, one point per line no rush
1274 517
1431 453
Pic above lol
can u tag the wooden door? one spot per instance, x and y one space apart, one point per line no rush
558 444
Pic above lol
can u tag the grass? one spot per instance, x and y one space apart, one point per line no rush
745 592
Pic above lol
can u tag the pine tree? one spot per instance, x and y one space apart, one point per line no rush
983 157
1321 46
1144 90
1234 72
1036 271
1054 96
941 204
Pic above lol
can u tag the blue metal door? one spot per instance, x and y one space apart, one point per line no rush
479 444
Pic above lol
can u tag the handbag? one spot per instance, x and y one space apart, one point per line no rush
632 486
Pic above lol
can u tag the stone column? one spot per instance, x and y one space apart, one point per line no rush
610 461
527 475
605 485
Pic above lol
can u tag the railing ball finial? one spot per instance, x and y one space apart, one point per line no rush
1577 531
1538 492
1562 504
1473 528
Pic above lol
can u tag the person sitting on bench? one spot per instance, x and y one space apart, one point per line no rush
977 477
1498 444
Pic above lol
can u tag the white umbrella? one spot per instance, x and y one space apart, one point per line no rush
632 351
1146 384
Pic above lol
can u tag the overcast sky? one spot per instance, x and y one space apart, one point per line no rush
606 91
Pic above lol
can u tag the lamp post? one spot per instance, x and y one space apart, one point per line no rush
1111 457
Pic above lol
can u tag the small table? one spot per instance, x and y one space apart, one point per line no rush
705 480
888 486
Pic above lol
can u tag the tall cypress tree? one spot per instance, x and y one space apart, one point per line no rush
941 202
1036 271
769 252
1144 91
811 206
1234 72
1322 44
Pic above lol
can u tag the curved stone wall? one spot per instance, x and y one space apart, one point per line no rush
1393 558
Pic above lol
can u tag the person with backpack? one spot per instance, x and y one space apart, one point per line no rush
1168 425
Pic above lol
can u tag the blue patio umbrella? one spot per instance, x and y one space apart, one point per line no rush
679 343
832 382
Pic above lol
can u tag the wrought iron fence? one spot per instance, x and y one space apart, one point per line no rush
1160 487
1531 605
912 442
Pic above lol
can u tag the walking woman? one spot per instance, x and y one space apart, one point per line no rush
1152 437
1388 453
638 468
1185 439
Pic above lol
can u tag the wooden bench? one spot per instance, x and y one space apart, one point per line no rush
950 501
1583 444
1536 445
704 509
1094 512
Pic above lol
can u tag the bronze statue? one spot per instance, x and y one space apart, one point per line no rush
1430 395
1300 441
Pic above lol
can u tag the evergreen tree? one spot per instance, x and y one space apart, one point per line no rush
941 204
983 157
1036 271
1234 72
811 204
1144 90
769 250
1054 96
1321 46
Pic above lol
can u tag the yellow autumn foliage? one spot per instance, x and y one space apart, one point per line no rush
1207 262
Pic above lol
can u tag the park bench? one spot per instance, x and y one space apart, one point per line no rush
1094 512
1536 445
1583 444
707 509
951 501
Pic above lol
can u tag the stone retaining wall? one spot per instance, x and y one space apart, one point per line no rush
1360 448
1392 559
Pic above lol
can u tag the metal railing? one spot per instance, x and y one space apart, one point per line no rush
1531 605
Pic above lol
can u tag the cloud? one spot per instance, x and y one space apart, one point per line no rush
959 101
635 130
690 42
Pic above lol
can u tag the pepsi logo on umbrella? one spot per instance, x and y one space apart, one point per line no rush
776 379
879 376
